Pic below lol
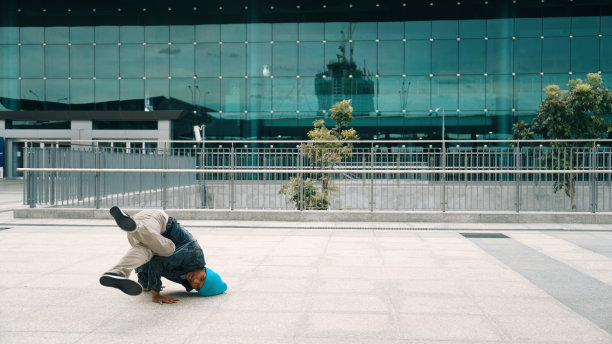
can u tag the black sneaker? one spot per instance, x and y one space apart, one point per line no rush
126 285
124 221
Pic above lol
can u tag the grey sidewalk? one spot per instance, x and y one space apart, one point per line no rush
317 283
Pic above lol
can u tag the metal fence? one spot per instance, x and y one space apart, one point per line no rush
377 175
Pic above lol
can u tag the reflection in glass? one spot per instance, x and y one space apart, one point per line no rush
528 27
31 35
390 30
9 35
556 55
556 27
475 28
233 59
417 29
233 33
82 34
208 59
500 56
444 29
418 57
500 28
585 54
499 92
32 62
311 32
259 91
131 60
284 94
472 56
157 34
208 33
106 34
311 58
285 32
131 93
56 61
390 58
528 55
182 34
107 94
57 94
444 57
131 34
232 94
416 93
527 92
585 26
9 55
82 94
182 60
106 57
389 94
56 35
284 57
157 60
259 32
444 92
472 93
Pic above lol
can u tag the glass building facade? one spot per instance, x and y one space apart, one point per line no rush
264 70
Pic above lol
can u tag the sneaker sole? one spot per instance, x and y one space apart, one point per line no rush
126 223
126 285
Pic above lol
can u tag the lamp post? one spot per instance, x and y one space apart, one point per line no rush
443 164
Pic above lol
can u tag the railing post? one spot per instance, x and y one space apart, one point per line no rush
444 200
232 186
517 190
594 178
97 180
372 177
302 196
164 198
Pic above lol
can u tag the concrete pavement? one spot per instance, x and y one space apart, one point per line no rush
317 283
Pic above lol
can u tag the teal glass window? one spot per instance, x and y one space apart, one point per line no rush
472 56
258 93
182 63
560 80
106 58
132 89
586 26
31 35
387 96
183 89
82 93
500 28
208 59
259 62
585 54
131 60
284 94
156 90
606 54
363 31
233 33
9 89
9 35
57 91
32 62
445 29
233 94
311 58
107 94
337 31
500 56
157 60
259 32
208 33
285 57
418 57
182 34
606 25
233 59
311 32
9 55
499 93
131 34
56 61
444 59
472 93
390 30
209 94
307 96
81 34
556 55
391 58
444 92
475 28
157 34
57 35
37 125
285 32
106 34
528 55
528 27
124 125
559 27
33 90
415 93
417 29
364 55
527 92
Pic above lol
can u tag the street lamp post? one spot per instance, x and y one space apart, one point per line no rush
443 163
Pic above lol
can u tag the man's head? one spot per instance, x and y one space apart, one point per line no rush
196 278
213 284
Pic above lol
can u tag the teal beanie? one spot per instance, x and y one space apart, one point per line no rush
213 284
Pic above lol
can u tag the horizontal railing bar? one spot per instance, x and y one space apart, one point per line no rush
449 141
310 171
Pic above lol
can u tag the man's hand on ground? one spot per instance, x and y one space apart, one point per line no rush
158 298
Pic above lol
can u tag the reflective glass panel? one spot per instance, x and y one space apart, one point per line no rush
9 55
285 57
56 35
259 92
208 33
444 58
500 56
311 31
472 93
132 89
284 94
363 31
527 92
182 60
387 96
33 90
81 34
233 60
556 55
528 55
364 55
32 61
82 92
107 94
82 61
56 61
9 89
606 54
57 91
32 35
472 28
233 33
472 56
208 59
131 34
259 62
9 35
107 34
418 57
106 57
441 29
233 94
132 60
391 30
183 89
182 34
285 32
585 54
210 92
391 58
417 29
416 93
556 27
157 91
585 26
337 31
560 80
499 92
528 27
157 60
606 25
311 58
444 92
307 96
259 32
157 34
500 28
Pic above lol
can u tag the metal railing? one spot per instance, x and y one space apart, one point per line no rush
378 175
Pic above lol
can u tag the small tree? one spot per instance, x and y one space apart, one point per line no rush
574 114
326 148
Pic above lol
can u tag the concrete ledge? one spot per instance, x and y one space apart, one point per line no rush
333 215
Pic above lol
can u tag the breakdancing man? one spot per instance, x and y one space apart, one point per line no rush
161 247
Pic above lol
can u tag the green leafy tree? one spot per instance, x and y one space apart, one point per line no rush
574 114
323 151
